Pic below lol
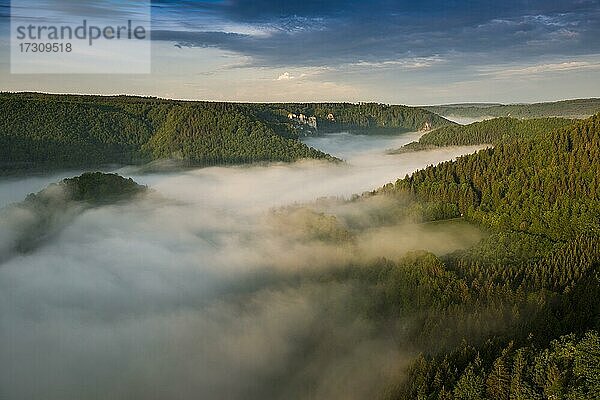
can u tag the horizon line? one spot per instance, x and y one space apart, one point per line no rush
141 96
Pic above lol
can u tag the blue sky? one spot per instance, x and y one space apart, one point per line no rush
409 52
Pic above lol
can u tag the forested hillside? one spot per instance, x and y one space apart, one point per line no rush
546 185
365 118
517 316
579 108
47 131
486 132
219 134
41 131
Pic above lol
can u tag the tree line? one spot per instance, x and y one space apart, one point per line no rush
578 108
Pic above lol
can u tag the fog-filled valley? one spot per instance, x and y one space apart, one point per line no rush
313 200
223 282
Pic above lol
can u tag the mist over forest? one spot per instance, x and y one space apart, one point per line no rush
210 277
453 263
299 200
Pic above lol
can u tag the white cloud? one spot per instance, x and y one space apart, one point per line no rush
286 76
303 73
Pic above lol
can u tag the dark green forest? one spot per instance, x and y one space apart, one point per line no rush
516 316
210 136
47 131
578 108
490 131
545 185
43 131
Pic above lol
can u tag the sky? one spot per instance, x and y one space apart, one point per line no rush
401 52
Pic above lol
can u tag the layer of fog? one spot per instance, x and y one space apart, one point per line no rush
183 294
462 120
14 189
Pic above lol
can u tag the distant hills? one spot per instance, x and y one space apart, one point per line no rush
579 108
45 131
364 118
